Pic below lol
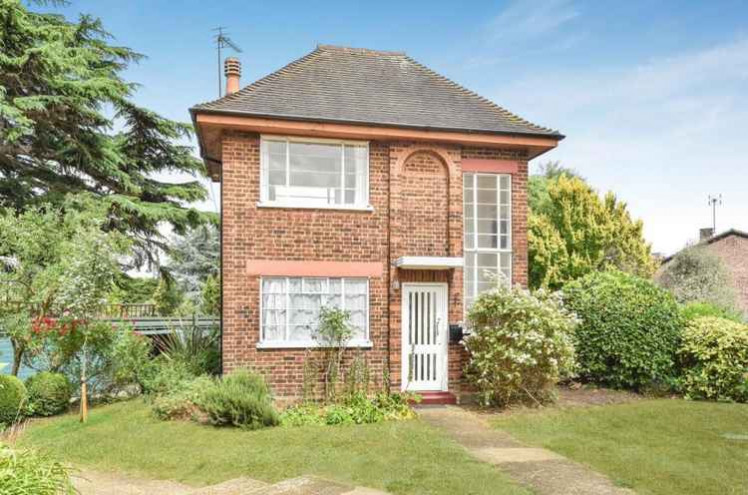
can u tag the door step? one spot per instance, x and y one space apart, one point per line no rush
436 398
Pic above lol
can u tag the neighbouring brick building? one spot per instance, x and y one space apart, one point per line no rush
732 247
362 179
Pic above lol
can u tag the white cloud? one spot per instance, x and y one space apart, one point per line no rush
662 134
523 28
524 20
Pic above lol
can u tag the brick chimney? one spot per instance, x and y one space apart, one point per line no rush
705 234
232 68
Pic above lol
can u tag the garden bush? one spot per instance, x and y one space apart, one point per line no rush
520 345
697 309
182 403
25 472
240 399
714 357
132 361
167 377
13 397
49 393
629 332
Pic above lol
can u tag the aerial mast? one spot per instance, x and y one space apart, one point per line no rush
713 202
222 41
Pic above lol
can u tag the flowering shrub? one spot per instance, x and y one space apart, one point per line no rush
714 357
629 331
116 356
520 345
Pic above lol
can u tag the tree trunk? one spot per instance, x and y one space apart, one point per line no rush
17 357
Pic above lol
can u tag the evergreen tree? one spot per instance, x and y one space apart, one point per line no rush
195 259
577 232
538 184
62 95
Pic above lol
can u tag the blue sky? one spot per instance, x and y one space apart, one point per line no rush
652 95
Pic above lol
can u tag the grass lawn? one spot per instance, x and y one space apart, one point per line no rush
652 446
405 457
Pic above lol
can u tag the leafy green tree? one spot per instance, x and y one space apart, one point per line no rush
168 297
59 263
134 290
697 275
577 232
194 259
211 296
62 94
538 184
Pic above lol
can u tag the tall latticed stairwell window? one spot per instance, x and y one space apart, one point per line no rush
488 232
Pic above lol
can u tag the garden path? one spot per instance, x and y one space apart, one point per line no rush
97 483
545 472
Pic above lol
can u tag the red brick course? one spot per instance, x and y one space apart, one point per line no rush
416 195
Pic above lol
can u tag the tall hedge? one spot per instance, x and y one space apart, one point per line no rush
629 333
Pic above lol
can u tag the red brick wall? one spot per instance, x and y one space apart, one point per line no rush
734 253
416 194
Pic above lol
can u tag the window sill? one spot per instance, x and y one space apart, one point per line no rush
354 344
301 206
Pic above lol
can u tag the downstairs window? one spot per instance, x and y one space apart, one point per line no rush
291 306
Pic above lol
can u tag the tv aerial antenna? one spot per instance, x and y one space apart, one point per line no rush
714 201
222 40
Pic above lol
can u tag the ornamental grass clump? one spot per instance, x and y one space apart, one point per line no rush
714 358
520 346
25 472
629 332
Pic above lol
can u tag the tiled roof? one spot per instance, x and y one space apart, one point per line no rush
353 85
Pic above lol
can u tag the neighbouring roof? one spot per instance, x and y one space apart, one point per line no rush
713 239
727 233
360 86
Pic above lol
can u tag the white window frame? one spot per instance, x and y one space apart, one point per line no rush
498 250
264 202
306 344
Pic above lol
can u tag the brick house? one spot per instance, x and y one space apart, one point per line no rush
364 180
731 247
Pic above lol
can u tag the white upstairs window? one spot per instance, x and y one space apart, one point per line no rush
314 173
487 213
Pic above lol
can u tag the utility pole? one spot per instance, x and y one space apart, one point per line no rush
222 41
713 202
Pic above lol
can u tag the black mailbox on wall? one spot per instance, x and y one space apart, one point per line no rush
455 332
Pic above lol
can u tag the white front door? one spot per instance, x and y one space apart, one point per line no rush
424 337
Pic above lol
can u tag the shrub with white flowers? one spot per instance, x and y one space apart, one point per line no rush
520 346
